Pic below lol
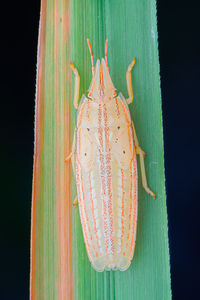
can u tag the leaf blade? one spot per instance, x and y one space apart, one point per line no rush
131 29
51 197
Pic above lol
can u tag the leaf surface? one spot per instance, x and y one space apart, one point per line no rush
60 268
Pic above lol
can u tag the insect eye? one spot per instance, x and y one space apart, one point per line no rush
124 151
88 129
85 154
118 127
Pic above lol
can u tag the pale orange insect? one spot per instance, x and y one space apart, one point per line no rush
104 160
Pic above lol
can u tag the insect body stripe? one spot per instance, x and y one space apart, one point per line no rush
131 224
119 197
117 106
88 109
81 204
122 215
128 127
125 113
134 203
135 208
93 215
80 115
105 171
129 138
107 159
107 202
79 140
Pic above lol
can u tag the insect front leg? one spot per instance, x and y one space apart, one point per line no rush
142 154
76 86
129 82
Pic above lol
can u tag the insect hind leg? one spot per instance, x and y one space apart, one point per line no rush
142 154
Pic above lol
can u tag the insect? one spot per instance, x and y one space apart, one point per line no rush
104 161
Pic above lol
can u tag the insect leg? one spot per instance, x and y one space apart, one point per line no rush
129 82
71 155
77 84
142 154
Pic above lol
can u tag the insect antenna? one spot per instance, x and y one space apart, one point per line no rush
92 57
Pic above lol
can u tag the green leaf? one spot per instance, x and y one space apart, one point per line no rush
130 27
60 268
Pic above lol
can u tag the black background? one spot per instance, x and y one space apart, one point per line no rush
179 61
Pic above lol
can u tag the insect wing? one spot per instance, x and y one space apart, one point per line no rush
124 182
85 149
